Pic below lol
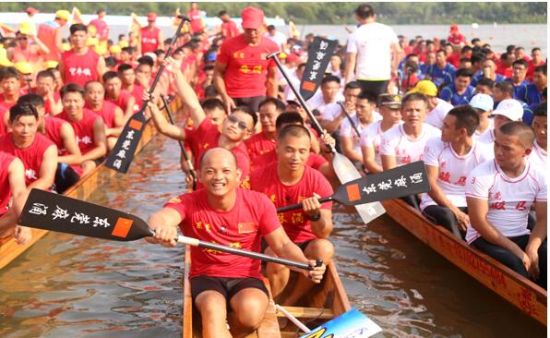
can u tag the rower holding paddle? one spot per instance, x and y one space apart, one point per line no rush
226 214
290 180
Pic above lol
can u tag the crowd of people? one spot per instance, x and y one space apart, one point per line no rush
476 117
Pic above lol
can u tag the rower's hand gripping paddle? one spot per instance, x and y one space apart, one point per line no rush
54 212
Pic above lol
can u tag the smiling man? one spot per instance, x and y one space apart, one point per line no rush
242 74
226 214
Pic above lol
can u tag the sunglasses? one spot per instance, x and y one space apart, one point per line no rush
241 124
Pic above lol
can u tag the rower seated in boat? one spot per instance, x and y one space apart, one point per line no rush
289 180
12 188
500 194
449 159
225 214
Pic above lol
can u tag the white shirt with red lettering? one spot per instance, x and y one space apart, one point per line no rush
509 199
453 169
435 116
395 142
538 157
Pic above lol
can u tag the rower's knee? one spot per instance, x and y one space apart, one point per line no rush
87 166
211 306
249 307
320 249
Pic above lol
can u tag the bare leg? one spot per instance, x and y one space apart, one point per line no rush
277 274
249 307
316 249
87 167
8 222
212 307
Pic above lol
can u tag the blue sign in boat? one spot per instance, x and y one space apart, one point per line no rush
352 324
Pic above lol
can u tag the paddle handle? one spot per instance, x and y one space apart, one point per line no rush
298 206
245 253
316 124
341 104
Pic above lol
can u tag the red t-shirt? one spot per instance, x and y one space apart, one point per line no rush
53 132
48 104
5 189
107 113
102 28
80 68
83 129
295 223
149 39
206 136
122 100
246 72
197 25
258 145
31 156
229 29
252 217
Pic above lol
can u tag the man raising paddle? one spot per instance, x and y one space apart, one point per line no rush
226 214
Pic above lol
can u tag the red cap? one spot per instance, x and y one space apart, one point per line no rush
253 18
31 10
292 58
152 16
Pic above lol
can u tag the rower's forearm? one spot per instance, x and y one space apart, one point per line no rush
96 153
70 159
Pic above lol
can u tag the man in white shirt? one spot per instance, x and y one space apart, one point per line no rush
538 156
349 137
373 53
499 195
405 143
449 159
333 115
483 104
274 35
437 108
508 110
390 109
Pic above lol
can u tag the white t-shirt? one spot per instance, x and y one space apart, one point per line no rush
488 137
405 149
279 38
453 169
435 116
509 199
347 130
372 43
373 138
538 157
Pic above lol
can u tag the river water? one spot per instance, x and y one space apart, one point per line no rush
71 286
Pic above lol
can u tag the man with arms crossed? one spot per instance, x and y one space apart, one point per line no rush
449 159
226 214
500 194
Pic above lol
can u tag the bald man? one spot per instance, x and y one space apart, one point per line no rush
499 194
225 214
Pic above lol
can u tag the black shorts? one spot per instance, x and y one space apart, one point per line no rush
251 102
228 287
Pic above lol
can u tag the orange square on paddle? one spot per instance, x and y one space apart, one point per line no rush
353 192
122 227
308 85
135 124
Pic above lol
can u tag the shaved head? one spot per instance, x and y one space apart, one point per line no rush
525 134
216 153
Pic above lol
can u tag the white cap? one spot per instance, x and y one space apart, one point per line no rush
483 102
510 108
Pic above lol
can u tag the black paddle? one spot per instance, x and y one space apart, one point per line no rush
54 212
122 155
398 182
192 171
341 104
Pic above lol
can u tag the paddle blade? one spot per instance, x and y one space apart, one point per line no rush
402 181
346 172
49 211
350 324
320 52
121 156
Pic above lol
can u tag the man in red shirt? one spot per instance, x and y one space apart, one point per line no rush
151 36
112 115
51 34
115 94
12 186
195 15
225 214
288 181
101 26
80 64
45 87
61 133
127 75
243 75
228 28
11 89
204 134
88 126
265 141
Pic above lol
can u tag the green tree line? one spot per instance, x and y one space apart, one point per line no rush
328 12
